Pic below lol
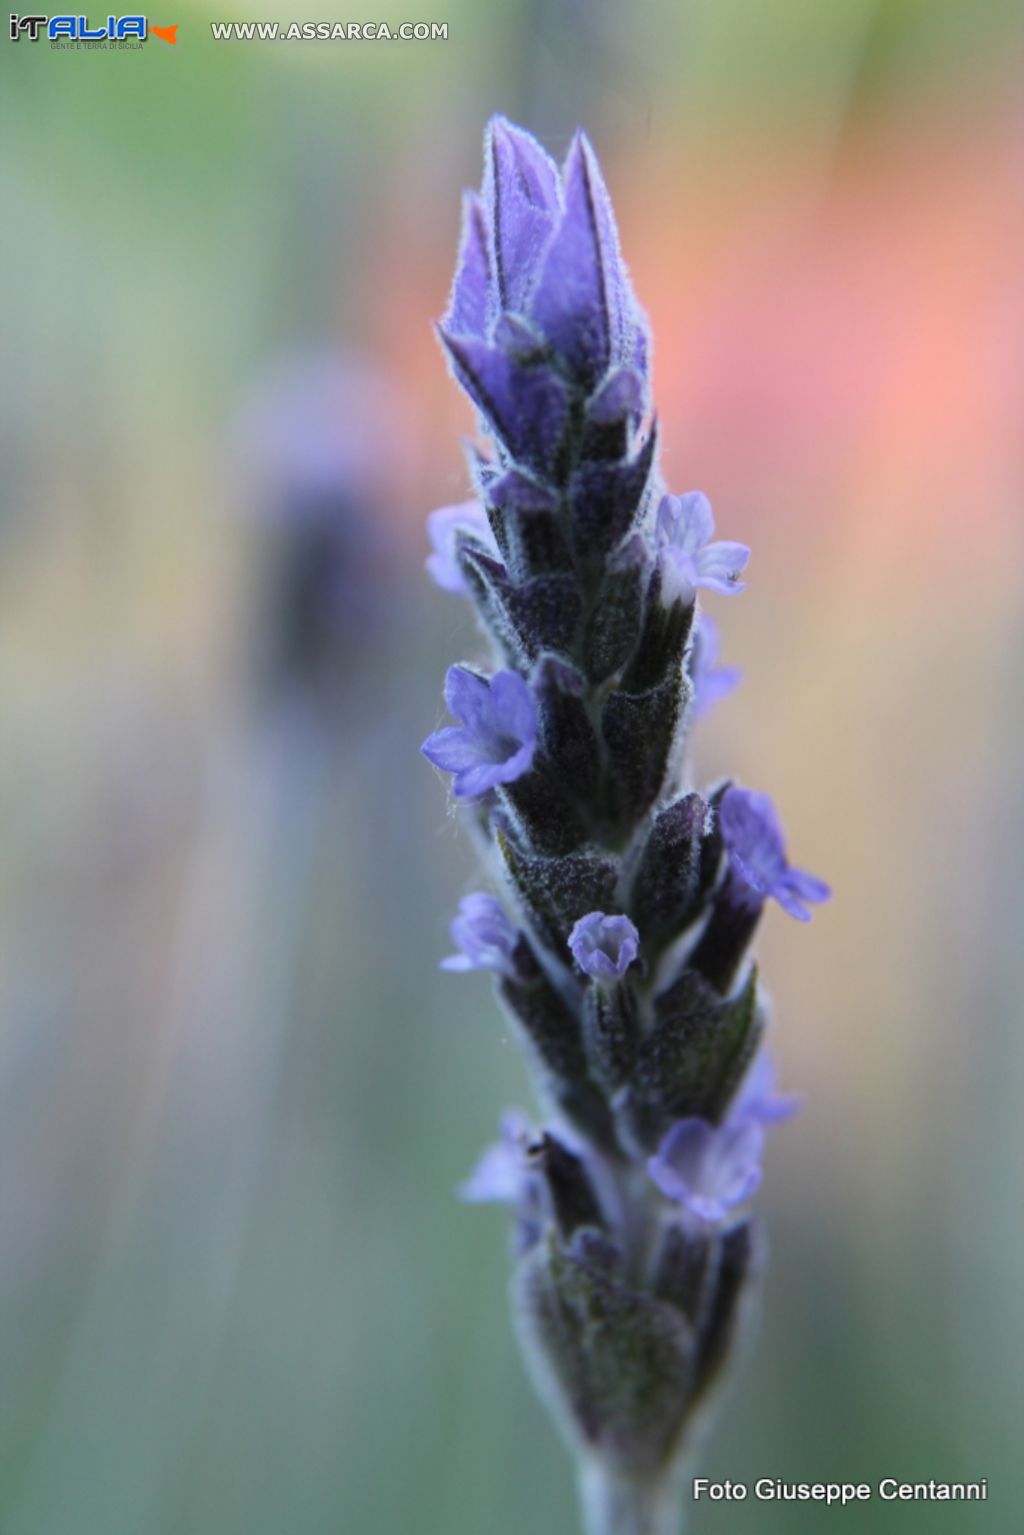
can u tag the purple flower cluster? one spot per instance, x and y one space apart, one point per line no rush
624 901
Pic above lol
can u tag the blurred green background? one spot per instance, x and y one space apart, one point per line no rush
236 1291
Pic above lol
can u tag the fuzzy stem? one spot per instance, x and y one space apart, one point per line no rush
612 1506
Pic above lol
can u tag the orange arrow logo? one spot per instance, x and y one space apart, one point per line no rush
169 34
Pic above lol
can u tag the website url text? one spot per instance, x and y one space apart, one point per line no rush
329 31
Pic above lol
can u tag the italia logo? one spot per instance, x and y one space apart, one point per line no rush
78 29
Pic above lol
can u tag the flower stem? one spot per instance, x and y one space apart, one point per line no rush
612 1506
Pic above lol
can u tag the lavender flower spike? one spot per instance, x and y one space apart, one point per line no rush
483 936
604 947
757 852
683 532
635 896
495 742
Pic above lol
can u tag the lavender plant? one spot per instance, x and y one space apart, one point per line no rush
624 901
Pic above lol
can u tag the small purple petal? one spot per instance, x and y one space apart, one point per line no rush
476 782
501 1175
466 695
708 1169
483 935
719 566
757 853
603 946
443 528
453 749
713 686
683 528
512 708
791 904
711 682
685 522
752 833
808 887
757 1097
678 576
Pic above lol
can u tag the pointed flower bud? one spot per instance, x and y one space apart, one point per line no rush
581 298
483 935
604 947
757 854
688 558
497 738
539 269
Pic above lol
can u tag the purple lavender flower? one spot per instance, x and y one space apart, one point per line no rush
683 531
604 947
443 527
501 1175
483 935
709 1169
504 1176
711 682
497 738
757 853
